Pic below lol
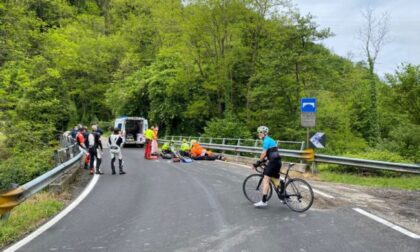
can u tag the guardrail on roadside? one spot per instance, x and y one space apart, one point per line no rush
64 157
234 141
309 155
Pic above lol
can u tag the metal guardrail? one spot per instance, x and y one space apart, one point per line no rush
234 141
366 163
307 155
301 154
65 157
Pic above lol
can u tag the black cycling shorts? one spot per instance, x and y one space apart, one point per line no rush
273 168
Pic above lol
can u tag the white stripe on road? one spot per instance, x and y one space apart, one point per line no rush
57 218
387 223
246 166
326 195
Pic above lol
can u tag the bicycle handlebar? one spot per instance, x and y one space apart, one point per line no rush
263 165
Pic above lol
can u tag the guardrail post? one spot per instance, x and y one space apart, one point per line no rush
239 144
313 168
211 140
302 145
56 157
256 145
8 201
67 153
223 142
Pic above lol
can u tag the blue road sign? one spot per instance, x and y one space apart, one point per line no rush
308 105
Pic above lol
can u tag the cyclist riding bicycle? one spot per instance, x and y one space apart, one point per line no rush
270 153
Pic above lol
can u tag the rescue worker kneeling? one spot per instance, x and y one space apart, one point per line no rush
168 150
199 153
185 148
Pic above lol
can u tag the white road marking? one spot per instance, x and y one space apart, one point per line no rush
387 223
326 195
57 218
246 166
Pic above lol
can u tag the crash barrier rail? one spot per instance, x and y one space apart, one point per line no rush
235 141
309 155
65 158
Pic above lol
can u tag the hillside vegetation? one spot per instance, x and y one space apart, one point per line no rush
219 67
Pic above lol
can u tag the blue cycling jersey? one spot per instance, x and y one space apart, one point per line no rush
268 143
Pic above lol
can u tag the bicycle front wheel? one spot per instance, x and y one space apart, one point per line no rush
253 187
298 195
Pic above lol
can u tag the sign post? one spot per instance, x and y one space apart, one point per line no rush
307 115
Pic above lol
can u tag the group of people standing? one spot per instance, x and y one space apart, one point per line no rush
92 144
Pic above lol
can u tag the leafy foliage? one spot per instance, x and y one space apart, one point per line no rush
218 67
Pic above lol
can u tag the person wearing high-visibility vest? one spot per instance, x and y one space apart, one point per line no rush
168 149
185 148
149 138
155 147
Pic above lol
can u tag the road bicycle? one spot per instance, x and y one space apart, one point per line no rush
296 193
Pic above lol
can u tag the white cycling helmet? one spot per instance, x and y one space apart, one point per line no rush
262 129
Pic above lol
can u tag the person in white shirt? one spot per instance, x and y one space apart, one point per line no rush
115 143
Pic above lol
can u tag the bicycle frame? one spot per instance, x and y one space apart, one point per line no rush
289 190
273 180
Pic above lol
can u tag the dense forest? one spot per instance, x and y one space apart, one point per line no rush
214 67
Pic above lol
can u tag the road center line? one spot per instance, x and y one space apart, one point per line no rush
57 218
387 223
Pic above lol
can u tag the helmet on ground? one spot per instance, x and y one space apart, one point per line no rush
262 129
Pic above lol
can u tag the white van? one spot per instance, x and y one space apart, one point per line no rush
132 129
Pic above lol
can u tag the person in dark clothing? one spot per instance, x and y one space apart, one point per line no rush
73 133
95 149
115 143
270 153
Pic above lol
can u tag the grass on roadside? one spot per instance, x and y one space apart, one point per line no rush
27 216
385 179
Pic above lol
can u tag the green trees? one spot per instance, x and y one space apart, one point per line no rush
213 66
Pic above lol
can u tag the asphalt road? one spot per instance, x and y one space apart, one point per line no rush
165 206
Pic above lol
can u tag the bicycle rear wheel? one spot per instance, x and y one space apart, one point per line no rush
253 186
298 195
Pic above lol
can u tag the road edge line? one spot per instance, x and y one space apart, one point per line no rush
56 219
387 223
326 195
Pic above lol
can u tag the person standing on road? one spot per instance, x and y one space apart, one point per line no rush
115 143
270 152
155 147
149 138
80 139
95 149
74 131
